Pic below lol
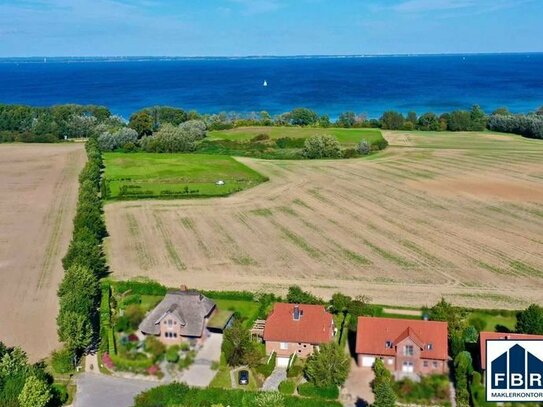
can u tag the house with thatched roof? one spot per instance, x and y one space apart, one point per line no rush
181 315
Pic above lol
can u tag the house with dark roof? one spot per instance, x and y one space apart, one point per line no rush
297 329
180 316
407 347
485 336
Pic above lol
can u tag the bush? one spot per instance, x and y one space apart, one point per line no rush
171 139
154 347
112 141
363 148
287 387
260 137
62 361
266 369
525 125
392 121
172 354
350 153
289 142
135 314
321 146
295 371
310 390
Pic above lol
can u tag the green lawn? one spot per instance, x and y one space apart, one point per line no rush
148 175
508 321
344 136
247 309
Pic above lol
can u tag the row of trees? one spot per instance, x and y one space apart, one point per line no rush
526 125
28 123
84 264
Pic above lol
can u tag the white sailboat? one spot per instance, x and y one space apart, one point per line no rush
265 83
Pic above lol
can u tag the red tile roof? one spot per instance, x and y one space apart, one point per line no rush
484 336
373 333
315 325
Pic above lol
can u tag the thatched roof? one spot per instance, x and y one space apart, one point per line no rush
190 308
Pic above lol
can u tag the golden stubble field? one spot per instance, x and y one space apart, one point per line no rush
39 193
459 215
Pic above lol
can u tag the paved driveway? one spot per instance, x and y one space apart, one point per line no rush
97 390
357 389
278 375
200 373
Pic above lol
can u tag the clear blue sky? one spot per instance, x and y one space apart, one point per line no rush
267 27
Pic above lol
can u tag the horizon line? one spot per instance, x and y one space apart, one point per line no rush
273 56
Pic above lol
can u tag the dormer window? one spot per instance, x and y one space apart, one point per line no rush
296 314
429 346
388 344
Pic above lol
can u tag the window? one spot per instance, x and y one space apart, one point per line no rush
170 322
388 344
425 363
429 346
390 361
408 350
435 364
174 335
283 346
305 346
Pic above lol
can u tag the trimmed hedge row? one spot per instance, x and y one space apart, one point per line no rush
131 365
139 287
178 394
310 390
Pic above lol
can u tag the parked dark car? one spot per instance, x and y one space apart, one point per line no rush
243 377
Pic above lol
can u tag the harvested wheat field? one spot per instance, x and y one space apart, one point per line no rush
39 194
459 215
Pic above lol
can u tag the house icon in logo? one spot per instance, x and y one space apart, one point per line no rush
517 369
514 370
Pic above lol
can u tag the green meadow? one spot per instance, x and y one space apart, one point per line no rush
344 136
150 175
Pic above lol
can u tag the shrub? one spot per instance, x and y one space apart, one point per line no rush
289 142
122 324
154 347
194 129
310 390
295 371
363 148
139 365
296 295
287 387
350 153
135 314
172 354
321 146
266 369
260 137
62 361
112 141
302 116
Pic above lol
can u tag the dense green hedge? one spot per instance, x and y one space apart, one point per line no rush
230 295
139 287
177 394
131 365
287 387
310 390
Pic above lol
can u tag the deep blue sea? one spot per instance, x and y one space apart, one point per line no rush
329 85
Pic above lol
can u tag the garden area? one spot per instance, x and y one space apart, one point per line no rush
151 175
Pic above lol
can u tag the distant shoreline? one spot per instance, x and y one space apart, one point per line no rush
143 58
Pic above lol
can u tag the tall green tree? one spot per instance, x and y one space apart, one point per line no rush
329 365
392 120
530 321
142 122
35 393
302 116
237 344
79 290
75 330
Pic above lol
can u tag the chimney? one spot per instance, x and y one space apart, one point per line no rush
296 314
